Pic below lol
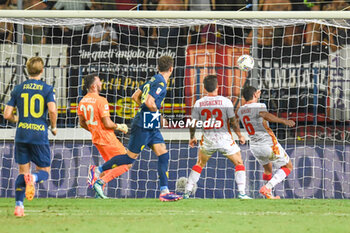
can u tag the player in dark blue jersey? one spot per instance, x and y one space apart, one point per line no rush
145 129
33 99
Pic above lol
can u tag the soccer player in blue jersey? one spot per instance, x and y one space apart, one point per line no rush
149 97
33 99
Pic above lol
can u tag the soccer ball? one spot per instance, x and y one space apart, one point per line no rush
181 185
245 62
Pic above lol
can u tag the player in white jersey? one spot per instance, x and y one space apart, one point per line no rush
263 142
217 112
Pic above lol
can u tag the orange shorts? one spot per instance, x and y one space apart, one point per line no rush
109 151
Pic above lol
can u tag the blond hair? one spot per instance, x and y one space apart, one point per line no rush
35 66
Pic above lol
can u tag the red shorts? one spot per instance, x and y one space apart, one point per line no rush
109 151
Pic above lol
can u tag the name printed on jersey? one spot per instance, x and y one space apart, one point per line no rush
210 103
88 100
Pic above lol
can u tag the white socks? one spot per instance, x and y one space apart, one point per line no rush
279 176
240 181
192 180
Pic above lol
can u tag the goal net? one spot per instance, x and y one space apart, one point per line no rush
302 68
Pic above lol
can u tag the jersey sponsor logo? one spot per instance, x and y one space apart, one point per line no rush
33 86
31 126
158 90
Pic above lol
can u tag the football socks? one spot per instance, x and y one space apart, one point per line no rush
193 178
240 178
19 194
40 176
279 176
163 163
114 173
117 161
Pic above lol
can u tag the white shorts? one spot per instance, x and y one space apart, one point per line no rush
224 146
266 154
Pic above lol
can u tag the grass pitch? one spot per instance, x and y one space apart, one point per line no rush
192 215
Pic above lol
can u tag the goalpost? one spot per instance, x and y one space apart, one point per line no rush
302 68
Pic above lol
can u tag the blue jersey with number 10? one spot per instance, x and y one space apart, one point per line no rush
31 98
156 87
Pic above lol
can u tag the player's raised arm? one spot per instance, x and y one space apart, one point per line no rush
272 118
109 124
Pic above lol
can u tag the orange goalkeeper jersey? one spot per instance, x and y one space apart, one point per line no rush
93 108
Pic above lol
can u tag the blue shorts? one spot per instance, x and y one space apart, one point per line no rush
141 137
39 154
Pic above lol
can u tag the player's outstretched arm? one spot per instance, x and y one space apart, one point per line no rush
234 121
137 97
109 124
272 118
53 116
9 115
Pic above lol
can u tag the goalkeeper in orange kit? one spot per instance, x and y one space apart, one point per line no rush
93 111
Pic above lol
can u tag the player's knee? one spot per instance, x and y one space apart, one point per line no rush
267 170
238 162
132 155
24 168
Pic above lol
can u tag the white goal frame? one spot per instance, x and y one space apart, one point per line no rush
177 14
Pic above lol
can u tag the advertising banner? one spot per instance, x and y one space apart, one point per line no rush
122 69
319 172
55 70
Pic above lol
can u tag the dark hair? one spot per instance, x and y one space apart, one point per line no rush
248 92
165 63
210 83
88 81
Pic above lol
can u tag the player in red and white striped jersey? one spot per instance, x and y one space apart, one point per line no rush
263 142
217 112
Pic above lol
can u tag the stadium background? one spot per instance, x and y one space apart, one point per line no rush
304 83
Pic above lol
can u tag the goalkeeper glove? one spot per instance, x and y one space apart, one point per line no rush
123 128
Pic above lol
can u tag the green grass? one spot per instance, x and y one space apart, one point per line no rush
193 215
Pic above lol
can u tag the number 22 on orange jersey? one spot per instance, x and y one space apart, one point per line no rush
87 109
